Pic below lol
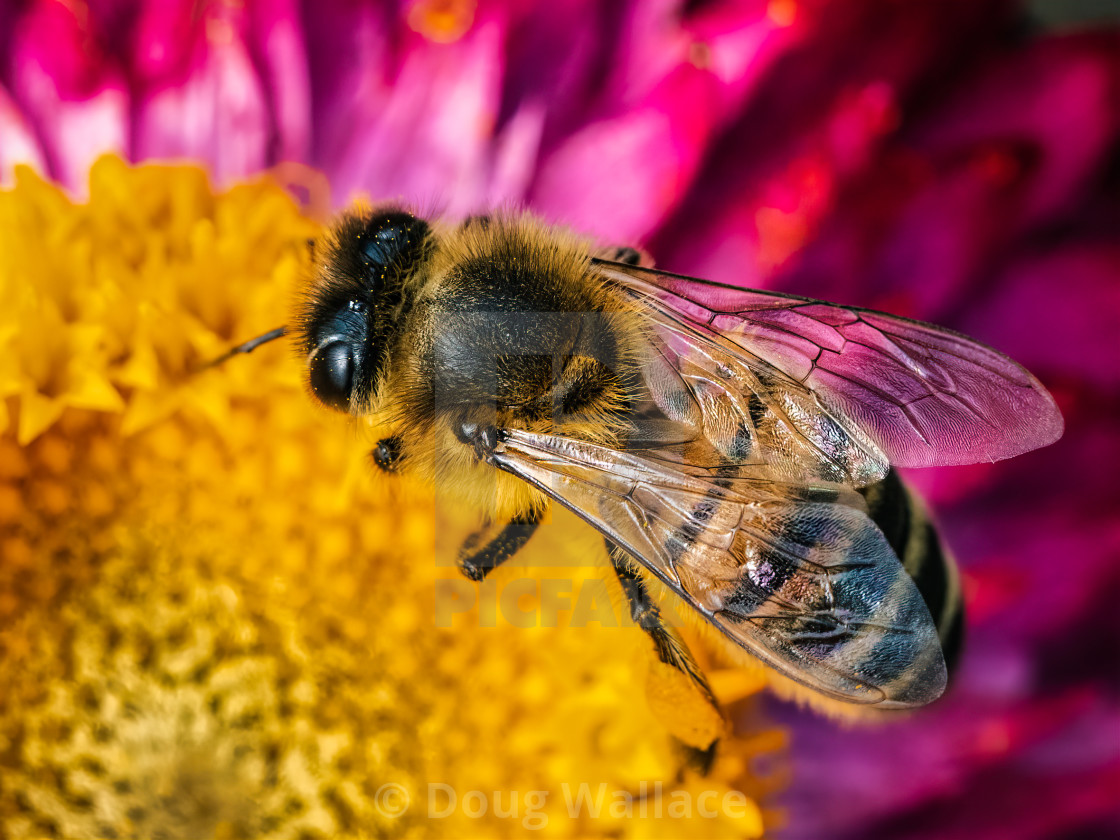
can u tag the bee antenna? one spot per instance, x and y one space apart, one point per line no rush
248 347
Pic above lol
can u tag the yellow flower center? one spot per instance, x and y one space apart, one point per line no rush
216 621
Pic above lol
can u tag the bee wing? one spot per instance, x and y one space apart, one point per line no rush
795 575
919 394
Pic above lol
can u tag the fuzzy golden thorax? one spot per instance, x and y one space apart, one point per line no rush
504 321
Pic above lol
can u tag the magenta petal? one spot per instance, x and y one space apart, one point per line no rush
347 46
918 229
1058 312
218 113
762 234
555 65
1045 116
74 96
18 143
277 46
514 159
975 773
817 117
676 89
423 131
162 41
595 169
943 237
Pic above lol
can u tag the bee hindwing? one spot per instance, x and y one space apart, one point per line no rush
809 586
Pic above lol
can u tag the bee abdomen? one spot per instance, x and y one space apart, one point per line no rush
902 518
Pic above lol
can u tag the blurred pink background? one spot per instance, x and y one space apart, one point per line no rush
951 160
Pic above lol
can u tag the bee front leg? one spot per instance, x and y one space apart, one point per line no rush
477 563
388 454
678 692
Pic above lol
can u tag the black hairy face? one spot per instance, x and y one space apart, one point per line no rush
352 310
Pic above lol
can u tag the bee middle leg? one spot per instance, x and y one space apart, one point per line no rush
477 562
700 741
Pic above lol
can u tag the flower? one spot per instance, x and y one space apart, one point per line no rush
214 623
935 159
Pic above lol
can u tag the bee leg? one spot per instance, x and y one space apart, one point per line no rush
387 455
477 564
627 255
697 728
645 613
630 256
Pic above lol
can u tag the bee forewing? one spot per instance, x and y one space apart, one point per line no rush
810 587
923 394
752 413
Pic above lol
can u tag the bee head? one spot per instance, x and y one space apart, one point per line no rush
352 308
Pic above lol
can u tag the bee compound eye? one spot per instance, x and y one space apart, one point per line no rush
331 369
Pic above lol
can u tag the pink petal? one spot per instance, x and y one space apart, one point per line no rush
199 92
1058 312
347 44
17 141
277 45
1057 100
621 174
422 132
74 94
162 41
817 117
616 178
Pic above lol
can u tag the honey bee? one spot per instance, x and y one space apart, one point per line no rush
734 447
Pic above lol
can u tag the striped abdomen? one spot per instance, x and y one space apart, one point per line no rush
903 519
